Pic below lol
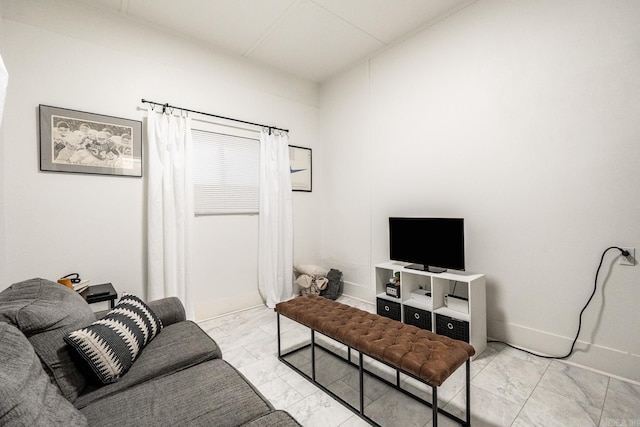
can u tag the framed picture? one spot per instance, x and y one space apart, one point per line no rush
300 160
75 141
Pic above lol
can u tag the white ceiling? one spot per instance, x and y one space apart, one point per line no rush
311 39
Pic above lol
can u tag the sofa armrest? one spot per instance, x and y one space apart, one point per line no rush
169 310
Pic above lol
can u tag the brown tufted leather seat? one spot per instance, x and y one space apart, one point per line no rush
419 352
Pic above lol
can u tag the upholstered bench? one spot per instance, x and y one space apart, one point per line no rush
415 352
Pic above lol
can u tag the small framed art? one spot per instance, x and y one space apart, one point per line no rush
300 165
81 142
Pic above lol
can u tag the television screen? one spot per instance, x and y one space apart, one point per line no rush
430 244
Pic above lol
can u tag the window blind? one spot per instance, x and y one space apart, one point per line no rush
226 173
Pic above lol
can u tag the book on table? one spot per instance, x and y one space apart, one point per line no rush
82 285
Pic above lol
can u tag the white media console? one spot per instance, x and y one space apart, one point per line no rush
456 306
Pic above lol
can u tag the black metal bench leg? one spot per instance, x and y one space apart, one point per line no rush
360 373
313 355
279 348
469 392
434 406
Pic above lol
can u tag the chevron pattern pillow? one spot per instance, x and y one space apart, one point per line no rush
111 345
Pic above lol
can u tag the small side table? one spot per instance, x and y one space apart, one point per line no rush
99 293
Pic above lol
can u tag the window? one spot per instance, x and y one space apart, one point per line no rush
225 173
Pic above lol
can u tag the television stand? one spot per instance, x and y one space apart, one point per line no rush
430 269
452 303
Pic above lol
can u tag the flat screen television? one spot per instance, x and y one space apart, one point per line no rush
429 244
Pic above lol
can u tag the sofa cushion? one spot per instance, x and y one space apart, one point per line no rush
45 312
177 347
27 395
111 345
212 393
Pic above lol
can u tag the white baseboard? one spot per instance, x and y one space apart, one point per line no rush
229 313
606 360
360 292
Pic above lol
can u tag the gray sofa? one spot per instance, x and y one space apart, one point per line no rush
179 378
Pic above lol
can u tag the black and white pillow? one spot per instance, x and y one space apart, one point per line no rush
111 345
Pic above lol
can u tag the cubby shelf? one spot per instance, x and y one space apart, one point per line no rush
435 315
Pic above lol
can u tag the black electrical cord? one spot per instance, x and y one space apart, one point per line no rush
623 252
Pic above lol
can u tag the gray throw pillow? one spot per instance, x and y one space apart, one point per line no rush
111 345
27 396
45 311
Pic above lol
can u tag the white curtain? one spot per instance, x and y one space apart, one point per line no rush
275 245
170 207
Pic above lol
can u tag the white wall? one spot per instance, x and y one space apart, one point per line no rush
3 235
520 117
67 55
348 167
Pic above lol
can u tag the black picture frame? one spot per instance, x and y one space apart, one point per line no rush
81 142
300 164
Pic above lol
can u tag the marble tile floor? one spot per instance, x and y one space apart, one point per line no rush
508 387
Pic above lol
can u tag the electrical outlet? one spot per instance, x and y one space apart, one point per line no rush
631 259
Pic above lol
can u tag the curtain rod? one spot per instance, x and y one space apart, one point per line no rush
165 106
